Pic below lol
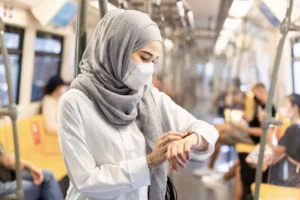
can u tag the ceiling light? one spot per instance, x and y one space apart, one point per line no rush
240 8
221 44
157 2
180 8
190 16
232 24
168 44
226 33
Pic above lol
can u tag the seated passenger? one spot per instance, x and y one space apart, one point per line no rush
36 183
287 153
239 133
53 91
238 100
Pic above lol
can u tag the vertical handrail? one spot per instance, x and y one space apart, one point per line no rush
81 33
12 112
285 27
148 7
102 8
183 68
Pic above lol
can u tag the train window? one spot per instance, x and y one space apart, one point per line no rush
48 56
296 65
13 41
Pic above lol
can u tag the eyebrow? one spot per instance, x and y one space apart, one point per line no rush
146 52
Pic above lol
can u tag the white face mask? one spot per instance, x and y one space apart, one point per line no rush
138 74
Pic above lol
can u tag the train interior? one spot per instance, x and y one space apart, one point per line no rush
218 57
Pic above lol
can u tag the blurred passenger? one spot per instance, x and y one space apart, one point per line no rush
223 101
52 92
286 163
247 173
238 100
238 133
37 184
112 110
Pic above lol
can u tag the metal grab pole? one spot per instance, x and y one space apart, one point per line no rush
81 33
12 111
285 26
148 7
102 8
183 70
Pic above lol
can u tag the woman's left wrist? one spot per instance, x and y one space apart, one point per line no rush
194 140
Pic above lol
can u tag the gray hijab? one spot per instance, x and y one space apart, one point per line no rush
103 67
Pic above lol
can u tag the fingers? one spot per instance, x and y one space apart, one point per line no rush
173 156
179 157
187 151
169 157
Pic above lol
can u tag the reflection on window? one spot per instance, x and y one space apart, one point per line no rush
48 45
14 63
13 41
296 65
48 50
296 78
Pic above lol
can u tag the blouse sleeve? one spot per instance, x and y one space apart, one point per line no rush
107 181
175 118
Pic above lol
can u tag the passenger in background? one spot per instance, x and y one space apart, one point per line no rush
238 133
52 92
37 184
287 154
223 101
238 100
254 130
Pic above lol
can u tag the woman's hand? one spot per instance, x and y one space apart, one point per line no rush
179 152
159 153
37 175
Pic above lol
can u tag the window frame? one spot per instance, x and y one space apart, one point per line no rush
20 31
43 34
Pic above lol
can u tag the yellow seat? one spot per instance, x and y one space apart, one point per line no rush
36 146
274 192
244 148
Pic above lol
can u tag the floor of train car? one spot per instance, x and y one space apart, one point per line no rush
190 187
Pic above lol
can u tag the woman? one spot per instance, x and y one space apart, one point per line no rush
52 92
286 164
112 121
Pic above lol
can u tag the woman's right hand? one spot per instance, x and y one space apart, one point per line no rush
159 153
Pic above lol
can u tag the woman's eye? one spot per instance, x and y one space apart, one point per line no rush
144 59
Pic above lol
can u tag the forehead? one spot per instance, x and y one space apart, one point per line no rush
153 47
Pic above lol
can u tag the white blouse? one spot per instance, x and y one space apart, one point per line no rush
108 163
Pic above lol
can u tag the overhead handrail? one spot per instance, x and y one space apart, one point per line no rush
11 111
285 27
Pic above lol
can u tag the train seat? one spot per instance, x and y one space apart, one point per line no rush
274 192
36 146
244 148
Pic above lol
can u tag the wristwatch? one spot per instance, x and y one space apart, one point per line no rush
190 133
